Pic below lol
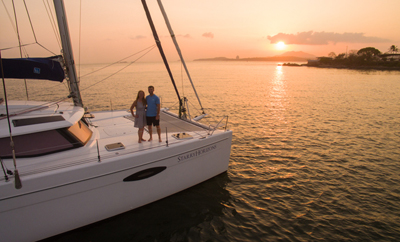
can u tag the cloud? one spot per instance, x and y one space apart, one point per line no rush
138 37
186 36
208 35
323 38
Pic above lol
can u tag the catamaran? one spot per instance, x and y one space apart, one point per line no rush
65 167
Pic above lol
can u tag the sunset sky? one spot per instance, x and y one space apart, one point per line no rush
112 30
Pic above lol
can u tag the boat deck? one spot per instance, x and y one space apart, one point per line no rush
115 129
169 123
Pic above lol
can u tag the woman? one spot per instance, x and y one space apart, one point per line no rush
140 117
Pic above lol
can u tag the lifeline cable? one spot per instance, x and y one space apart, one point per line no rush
18 184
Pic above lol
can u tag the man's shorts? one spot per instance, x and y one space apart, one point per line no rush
152 121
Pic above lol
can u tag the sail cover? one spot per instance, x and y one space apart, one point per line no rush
33 68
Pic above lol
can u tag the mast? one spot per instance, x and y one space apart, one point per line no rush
67 52
178 49
153 29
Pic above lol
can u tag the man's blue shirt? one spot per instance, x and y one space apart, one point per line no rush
152 102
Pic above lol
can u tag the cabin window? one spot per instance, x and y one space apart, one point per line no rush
81 132
47 142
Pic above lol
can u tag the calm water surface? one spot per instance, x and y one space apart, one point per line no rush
315 154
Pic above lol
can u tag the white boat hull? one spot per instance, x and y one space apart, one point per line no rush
81 195
78 168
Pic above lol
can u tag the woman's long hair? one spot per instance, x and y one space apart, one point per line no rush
144 98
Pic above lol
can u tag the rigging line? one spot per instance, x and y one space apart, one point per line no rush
54 86
152 47
42 106
34 35
5 170
52 21
18 184
174 104
13 47
16 27
118 70
80 34
20 47
13 26
24 45
194 106
30 21
50 15
182 128
177 47
46 48
183 90
213 120
9 17
33 30
158 42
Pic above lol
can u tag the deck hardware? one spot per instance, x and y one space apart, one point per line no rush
98 151
115 146
181 136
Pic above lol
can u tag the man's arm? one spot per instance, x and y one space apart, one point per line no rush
158 111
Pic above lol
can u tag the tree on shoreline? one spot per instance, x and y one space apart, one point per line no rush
332 55
393 49
368 57
368 53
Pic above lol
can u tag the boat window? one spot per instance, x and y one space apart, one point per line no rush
81 132
47 142
35 144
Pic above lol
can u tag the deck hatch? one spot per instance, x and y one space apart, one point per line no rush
39 120
115 146
182 136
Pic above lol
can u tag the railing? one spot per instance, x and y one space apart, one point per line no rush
213 128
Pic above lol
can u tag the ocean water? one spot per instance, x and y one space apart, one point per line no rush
315 153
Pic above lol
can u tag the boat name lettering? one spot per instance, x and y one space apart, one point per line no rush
196 153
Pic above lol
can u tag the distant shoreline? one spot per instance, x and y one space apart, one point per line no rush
380 68
274 58
287 59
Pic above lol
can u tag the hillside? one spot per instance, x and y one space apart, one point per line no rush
297 56
300 54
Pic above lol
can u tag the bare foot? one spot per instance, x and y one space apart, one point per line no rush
140 141
143 140
150 139
159 140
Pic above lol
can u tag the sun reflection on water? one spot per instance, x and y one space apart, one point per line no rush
277 94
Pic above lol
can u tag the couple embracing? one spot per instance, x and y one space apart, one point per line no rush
149 115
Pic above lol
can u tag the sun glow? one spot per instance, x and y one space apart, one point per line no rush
280 45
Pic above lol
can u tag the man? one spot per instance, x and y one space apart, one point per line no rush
153 113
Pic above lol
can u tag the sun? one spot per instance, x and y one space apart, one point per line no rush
280 45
